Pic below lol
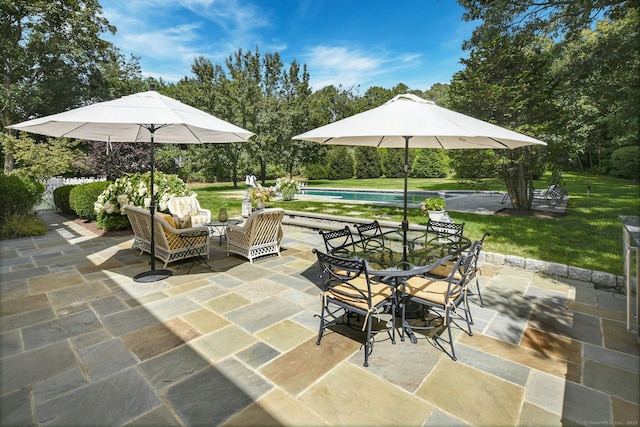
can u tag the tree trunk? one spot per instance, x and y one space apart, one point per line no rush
9 163
519 184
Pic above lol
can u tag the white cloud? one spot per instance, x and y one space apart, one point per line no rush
339 65
177 32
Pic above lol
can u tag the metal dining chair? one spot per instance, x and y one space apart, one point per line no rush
446 300
348 288
337 239
370 235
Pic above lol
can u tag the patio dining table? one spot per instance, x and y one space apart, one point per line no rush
384 256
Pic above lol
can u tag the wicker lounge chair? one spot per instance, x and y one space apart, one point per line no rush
259 236
171 244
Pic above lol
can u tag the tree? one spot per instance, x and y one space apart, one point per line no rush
430 163
367 162
550 17
340 163
52 57
505 82
42 160
594 68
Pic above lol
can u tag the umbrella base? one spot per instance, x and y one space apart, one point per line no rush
152 276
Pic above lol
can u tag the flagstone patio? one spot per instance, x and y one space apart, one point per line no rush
81 343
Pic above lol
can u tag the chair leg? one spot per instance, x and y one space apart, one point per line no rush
368 346
448 320
321 324
479 293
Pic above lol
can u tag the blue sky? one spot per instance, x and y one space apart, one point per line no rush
343 42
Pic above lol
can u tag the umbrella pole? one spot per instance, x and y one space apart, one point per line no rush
405 221
152 275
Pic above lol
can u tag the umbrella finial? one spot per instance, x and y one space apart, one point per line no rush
152 87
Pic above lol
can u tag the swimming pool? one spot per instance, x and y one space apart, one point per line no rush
391 197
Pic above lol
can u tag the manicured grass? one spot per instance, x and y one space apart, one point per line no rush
589 236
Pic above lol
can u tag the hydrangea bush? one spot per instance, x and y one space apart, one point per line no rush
287 188
135 190
261 194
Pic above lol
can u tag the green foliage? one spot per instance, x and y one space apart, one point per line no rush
287 188
625 162
432 204
340 163
54 56
393 161
112 222
44 159
367 161
135 190
61 198
430 163
83 197
315 171
474 164
18 195
21 225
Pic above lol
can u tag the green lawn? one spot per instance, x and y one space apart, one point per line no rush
589 236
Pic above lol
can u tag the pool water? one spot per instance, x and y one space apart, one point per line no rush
413 197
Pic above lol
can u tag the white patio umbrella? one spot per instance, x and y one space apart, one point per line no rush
145 117
408 121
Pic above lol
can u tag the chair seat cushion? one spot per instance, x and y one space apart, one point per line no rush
429 289
348 295
445 270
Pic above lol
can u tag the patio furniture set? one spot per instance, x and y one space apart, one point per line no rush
422 277
187 231
379 276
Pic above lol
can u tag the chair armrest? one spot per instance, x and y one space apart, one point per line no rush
239 228
203 211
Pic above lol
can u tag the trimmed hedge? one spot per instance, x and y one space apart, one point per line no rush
83 197
18 195
61 198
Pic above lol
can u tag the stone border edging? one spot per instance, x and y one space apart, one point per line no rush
598 279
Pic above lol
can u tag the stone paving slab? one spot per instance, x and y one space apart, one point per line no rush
81 343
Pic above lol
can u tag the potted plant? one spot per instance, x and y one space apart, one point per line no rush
261 195
287 188
433 207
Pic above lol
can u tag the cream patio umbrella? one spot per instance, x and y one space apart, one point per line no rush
145 117
408 121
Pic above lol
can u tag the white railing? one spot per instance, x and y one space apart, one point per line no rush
46 202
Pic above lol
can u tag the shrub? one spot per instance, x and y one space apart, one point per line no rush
430 163
18 195
475 164
625 162
367 162
61 198
340 163
316 171
287 188
111 222
83 197
22 225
